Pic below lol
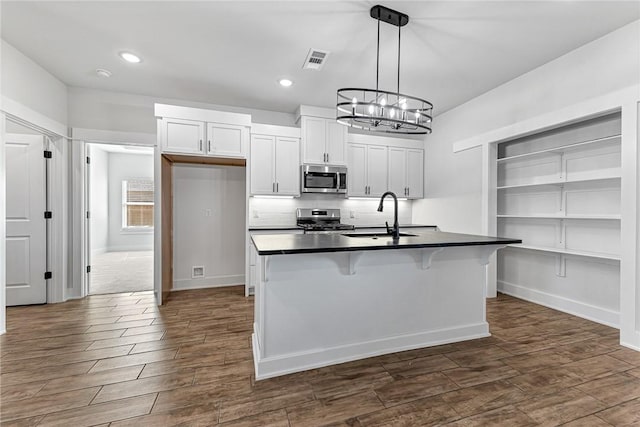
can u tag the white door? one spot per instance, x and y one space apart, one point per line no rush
287 169
377 170
415 174
261 164
398 171
183 136
225 140
314 137
26 229
357 170
336 140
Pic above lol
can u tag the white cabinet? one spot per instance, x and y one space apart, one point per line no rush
182 136
323 141
226 140
194 137
274 165
406 172
367 170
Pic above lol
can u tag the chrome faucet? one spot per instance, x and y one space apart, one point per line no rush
395 231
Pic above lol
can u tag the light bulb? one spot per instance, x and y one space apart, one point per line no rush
370 109
354 101
404 105
383 102
392 112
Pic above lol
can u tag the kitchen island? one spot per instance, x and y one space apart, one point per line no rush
323 299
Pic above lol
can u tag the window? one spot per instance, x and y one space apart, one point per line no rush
137 204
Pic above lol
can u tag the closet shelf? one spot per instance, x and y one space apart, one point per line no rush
612 178
542 216
558 150
566 251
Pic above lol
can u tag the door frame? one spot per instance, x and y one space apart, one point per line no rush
81 137
58 242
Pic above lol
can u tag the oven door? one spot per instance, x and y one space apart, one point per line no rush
314 181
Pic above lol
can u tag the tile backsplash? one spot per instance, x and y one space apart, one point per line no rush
361 212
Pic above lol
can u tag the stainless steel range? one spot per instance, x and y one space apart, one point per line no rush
321 221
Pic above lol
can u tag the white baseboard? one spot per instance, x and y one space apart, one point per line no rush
208 282
133 248
99 251
270 367
567 305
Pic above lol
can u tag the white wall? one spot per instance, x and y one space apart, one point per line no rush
362 212
29 84
95 109
124 166
99 200
453 181
208 225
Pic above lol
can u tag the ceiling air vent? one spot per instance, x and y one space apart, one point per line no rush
315 59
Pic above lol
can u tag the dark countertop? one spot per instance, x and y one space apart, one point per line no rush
283 244
358 227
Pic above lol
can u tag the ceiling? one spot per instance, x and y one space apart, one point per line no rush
234 52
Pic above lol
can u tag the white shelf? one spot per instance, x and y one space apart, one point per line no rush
543 216
562 149
566 251
556 183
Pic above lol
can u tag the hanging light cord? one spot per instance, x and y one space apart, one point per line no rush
378 58
399 28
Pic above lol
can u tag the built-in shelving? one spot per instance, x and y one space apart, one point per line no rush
565 148
612 179
559 191
566 251
574 216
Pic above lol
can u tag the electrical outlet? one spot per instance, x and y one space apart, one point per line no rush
352 214
254 213
207 212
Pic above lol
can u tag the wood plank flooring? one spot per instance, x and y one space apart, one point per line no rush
119 360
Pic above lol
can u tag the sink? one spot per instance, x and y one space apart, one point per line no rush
376 235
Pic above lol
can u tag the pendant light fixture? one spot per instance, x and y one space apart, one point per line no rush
379 110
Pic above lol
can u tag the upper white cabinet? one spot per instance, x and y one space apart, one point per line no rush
406 172
275 161
226 140
203 132
323 141
182 136
367 170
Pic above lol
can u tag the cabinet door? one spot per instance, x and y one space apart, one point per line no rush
377 170
415 173
261 163
356 170
225 140
336 142
287 166
314 136
398 171
183 136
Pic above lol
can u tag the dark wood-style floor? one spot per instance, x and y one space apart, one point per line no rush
119 359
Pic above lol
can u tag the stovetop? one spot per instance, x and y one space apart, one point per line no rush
320 220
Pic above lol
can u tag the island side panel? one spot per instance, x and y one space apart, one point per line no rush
311 312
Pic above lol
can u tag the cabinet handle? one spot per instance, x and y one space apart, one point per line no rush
277 187
273 187
209 145
408 191
200 145
327 157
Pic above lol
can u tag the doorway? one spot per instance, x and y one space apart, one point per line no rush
120 220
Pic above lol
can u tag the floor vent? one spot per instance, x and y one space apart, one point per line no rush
315 59
197 272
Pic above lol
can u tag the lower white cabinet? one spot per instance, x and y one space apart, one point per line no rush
406 172
275 165
367 170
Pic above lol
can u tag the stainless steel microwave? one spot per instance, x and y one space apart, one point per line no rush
324 179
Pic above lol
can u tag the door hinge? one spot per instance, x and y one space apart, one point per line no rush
48 214
48 154
47 275
88 269
88 160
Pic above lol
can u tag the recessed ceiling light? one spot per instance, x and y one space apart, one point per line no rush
285 82
130 57
101 72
